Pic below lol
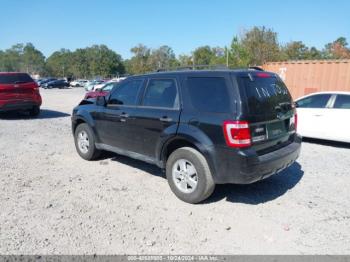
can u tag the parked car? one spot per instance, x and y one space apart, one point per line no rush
102 91
19 92
90 85
78 83
46 80
114 80
325 115
61 83
202 127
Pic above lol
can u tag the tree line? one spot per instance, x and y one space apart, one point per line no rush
252 47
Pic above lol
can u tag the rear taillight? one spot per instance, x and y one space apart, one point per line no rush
295 121
237 133
36 87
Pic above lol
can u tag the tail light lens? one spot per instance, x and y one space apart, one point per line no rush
295 121
237 134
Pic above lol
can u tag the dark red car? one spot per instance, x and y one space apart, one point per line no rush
101 91
19 92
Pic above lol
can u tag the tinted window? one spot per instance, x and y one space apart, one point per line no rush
263 94
126 94
342 101
315 101
15 78
161 93
209 94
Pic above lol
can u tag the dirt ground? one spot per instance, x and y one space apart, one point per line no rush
54 202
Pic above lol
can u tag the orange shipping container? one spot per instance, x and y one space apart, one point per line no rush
308 76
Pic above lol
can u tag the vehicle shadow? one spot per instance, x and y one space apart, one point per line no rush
327 142
253 194
261 191
148 168
44 114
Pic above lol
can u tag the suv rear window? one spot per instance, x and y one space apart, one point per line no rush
209 94
15 78
263 94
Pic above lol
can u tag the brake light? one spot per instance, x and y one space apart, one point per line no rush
237 134
295 121
263 75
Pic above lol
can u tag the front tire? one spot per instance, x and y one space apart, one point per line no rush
84 139
189 175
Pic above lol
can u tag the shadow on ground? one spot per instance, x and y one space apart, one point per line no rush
327 143
44 114
148 168
253 194
262 191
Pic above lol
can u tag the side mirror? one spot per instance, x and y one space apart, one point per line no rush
296 104
101 101
98 89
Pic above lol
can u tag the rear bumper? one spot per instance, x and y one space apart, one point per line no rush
6 106
245 166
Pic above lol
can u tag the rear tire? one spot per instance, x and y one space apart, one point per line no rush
189 175
84 139
35 111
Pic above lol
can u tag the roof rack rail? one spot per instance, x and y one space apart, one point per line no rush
258 68
193 67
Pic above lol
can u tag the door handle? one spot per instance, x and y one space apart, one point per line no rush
165 119
318 115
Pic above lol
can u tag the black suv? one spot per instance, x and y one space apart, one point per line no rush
202 127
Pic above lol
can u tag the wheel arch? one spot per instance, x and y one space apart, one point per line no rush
186 141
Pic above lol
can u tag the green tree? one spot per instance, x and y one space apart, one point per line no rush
23 58
261 44
13 58
203 55
238 54
2 61
162 57
295 50
314 54
185 60
59 63
80 64
139 63
94 61
33 60
337 49
104 62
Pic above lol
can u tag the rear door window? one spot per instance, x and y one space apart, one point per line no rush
342 102
265 94
209 94
161 93
15 79
315 101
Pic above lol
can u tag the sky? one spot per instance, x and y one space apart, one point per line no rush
183 25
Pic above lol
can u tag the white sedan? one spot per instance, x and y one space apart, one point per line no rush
325 115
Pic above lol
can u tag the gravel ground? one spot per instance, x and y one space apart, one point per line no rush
54 202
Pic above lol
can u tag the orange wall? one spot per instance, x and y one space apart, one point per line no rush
304 77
